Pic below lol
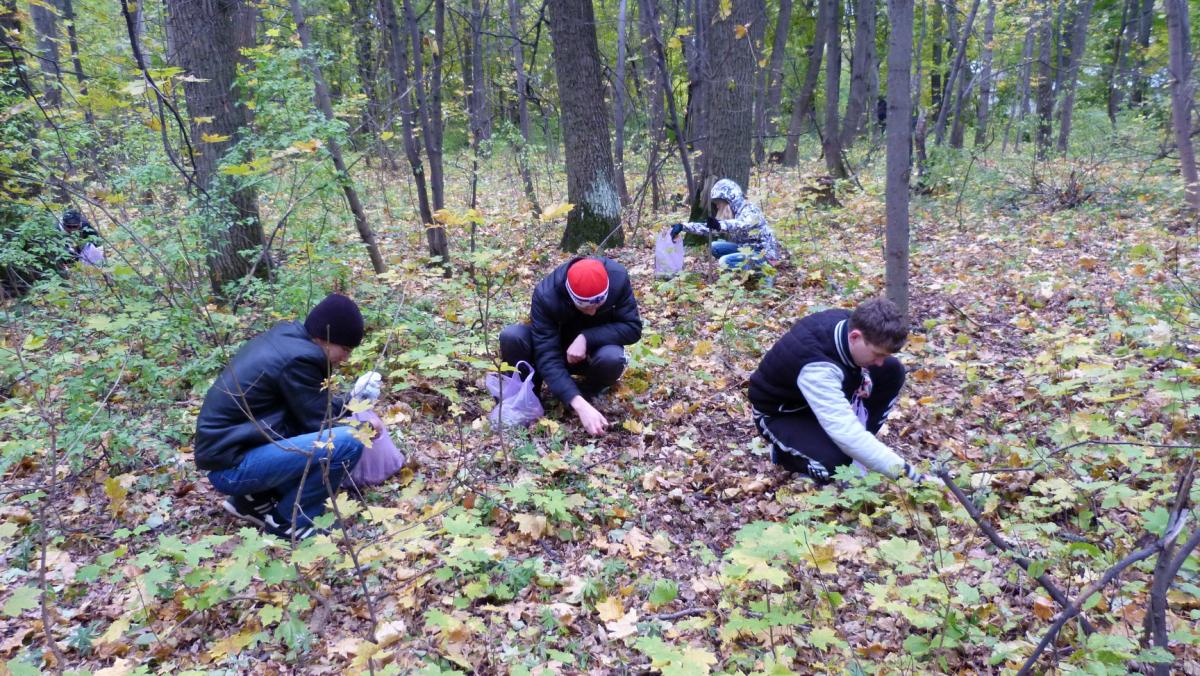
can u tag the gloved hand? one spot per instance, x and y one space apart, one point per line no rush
367 386
675 230
713 224
920 478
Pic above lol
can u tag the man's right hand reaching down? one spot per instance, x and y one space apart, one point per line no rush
593 421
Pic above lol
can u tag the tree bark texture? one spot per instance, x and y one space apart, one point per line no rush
984 107
431 125
477 99
899 150
591 182
862 66
619 101
772 82
522 80
729 94
208 36
45 27
325 105
1179 65
1044 98
956 73
831 139
1079 27
802 107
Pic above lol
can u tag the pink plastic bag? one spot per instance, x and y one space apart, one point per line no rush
92 255
668 255
381 459
516 403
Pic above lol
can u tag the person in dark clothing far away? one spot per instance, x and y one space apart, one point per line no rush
581 317
823 392
82 241
264 433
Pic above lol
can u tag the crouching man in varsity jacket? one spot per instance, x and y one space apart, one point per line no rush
824 390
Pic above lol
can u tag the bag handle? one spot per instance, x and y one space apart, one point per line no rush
518 369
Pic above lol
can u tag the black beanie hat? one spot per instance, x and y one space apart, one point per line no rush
336 319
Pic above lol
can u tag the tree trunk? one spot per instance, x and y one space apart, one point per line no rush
831 141
900 56
1145 25
936 39
802 108
984 107
729 97
477 102
209 36
368 75
518 54
649 9
956 72
396 48
45 26
325 105
958 127
619 102
1083 15
654 96
862 65
1044 98
430 126
1021 102
1179 57
69 18
1120 64
772 82
591 183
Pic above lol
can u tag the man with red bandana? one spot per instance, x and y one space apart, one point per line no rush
581 318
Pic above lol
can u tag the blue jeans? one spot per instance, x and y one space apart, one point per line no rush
274 470
732 257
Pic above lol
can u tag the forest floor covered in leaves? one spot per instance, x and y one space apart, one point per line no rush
1043 327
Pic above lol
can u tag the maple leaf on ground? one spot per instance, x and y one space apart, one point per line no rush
623 627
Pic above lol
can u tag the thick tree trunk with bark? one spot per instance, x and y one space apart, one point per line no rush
802 107
45 26
325 105
772 82
591 180
862 66
208 36
1044 98
1079 26
729 96
831 139
984 107
899 153
1179 65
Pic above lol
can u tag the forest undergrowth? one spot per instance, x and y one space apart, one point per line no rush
1053 372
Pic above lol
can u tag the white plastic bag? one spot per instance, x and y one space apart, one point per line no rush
516 402
668 255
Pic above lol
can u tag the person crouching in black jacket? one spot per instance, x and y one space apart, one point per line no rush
581 317
263 433
823 392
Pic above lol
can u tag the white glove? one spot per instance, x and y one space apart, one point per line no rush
367 386
920 478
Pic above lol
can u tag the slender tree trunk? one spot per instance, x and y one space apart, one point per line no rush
209 37
862 65
430 127
965 84
1179 65
477 100
729 92
983 110
937 38
1021 102
831 140
1145 25
435 236
900 56
802 108
650 9
518 53
654 96
325 105
1119 67
960 56
591 181
1045 83
772 82
619 102
1083 15
45 27
364 58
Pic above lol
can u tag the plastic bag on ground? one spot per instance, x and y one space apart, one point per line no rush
516 402
381 459
668 255
92 255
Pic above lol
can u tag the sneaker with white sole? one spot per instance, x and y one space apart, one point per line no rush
287 531
246 508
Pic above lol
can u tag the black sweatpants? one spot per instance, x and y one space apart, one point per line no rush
602 368
800 444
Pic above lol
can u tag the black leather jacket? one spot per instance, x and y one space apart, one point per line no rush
273 389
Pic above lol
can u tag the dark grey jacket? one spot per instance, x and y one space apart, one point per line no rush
556 322
273 389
